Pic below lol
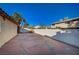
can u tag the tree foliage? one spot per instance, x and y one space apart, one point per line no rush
17 17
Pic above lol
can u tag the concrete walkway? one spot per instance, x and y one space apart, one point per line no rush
34 44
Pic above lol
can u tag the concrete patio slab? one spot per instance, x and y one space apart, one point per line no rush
35 44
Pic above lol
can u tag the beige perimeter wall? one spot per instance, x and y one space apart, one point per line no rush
8 31
62 25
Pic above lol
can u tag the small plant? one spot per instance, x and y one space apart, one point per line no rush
31 31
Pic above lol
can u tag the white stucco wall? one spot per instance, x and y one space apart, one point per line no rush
48 32
8 31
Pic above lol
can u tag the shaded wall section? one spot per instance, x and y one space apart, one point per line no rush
8 31
70 37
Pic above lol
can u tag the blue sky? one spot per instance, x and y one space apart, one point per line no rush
42 13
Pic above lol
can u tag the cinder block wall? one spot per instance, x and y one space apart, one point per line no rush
8 31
